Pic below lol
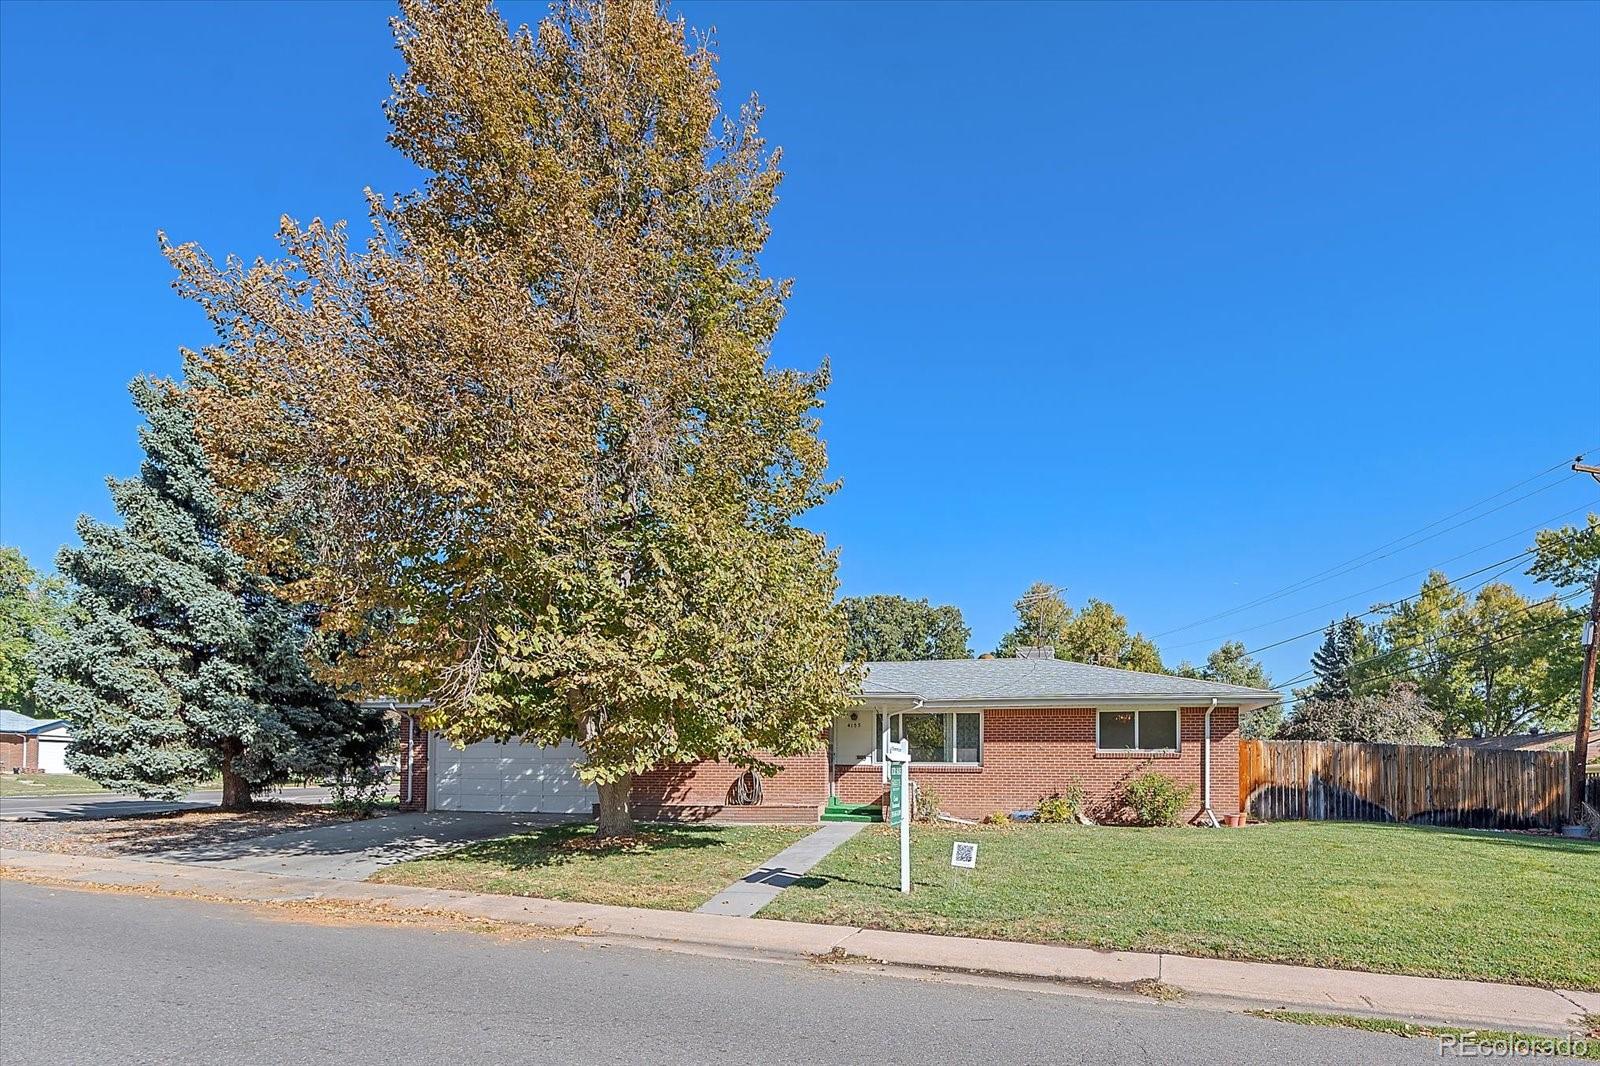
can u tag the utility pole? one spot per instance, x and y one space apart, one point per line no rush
1591 632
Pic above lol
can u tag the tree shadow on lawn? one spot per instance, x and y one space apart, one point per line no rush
1543 842
161 831
558 845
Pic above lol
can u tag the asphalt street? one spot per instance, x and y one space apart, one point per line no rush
91 977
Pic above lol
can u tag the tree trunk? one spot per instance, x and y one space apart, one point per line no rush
235 789
616 816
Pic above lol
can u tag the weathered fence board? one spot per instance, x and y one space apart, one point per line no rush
1326 780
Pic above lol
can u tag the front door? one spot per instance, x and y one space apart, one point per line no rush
854 742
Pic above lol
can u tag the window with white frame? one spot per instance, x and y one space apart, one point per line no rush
935 736
1137 730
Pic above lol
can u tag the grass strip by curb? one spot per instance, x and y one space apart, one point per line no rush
1487 1042
320 911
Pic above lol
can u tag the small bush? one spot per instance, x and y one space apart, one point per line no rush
1156 799
1057 808
1000 818
358 791
926 808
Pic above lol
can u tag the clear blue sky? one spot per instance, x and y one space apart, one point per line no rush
1171 304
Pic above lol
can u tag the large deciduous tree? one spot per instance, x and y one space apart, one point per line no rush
1568 557
897 629
174 663
527 435
1232 664
1097 634
1495 662
31 607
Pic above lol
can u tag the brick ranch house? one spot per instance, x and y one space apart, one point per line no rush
31 745
985 734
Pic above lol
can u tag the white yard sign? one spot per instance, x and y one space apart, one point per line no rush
964 855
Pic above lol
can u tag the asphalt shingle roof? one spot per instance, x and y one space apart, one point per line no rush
17 722
1038 679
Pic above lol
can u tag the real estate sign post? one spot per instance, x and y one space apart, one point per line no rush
899 756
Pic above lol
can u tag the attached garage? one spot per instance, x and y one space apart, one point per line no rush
492 776
53 751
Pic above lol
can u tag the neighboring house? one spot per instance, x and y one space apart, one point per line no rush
1531 742
28 745
986 735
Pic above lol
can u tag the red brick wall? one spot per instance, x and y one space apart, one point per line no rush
11 752
1032 753
413 762
802 780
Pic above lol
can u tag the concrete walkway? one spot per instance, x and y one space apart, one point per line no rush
356 850
758 888
1206 983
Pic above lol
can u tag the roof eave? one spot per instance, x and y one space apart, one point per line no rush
1071 701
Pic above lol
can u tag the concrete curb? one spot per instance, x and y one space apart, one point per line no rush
1206 982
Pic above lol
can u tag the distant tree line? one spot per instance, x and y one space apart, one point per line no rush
1438 664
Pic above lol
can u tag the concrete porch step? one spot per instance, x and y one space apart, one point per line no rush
852 812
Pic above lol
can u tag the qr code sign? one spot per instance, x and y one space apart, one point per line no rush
964 855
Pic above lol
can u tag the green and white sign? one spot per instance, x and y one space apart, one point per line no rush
898 756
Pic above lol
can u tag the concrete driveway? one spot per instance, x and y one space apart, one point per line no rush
356 850
113 805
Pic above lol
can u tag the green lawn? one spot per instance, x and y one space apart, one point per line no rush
671 867
45 785
1399 899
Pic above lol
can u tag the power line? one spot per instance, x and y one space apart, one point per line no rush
1547 601
1307 675
1339 571
1444 658
1355 563
1513 560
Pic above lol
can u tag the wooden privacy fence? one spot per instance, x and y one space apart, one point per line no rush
1329 780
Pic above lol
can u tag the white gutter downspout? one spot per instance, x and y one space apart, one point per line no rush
410 754
1205 800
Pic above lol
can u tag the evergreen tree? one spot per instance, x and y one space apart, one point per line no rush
175 663
1042 619
1335 660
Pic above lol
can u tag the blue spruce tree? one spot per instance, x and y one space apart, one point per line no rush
177 664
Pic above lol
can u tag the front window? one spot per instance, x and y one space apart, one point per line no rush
1138 731
935 737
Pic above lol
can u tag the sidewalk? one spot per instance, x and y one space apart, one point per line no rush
1213 983
760 887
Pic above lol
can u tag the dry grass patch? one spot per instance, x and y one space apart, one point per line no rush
149 834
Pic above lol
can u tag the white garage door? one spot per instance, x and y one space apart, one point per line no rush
52 754
491 776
